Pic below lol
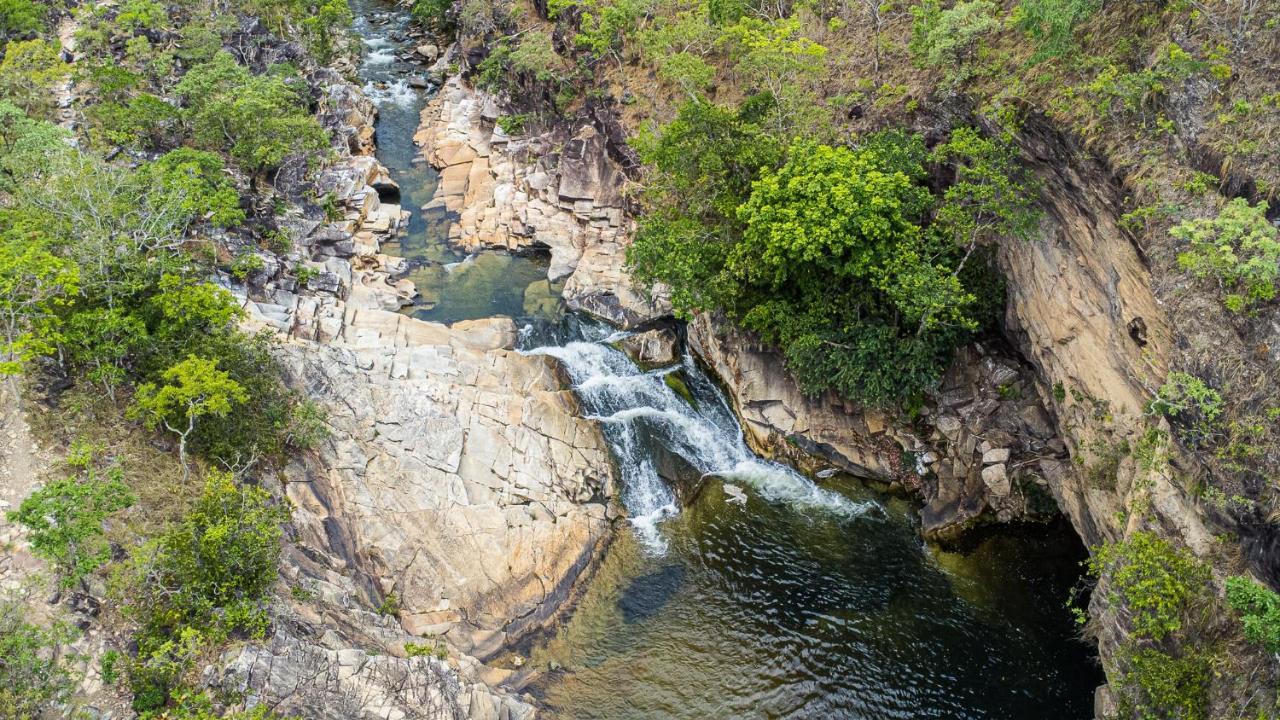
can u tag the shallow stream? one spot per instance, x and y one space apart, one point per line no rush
752 591
452 285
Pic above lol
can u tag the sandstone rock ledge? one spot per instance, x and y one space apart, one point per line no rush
544 192
985 449
458 488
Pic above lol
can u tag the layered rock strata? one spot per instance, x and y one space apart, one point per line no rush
546 192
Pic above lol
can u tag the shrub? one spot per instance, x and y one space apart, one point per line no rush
536 57
1191 404
945 38
192 389
144 121
35 285
28 74
1239 249
1052 23
21 18
433 13
1259 609
1154 584
199 582
1161 595
65 520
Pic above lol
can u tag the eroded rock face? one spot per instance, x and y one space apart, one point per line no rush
1082 311
332 658
984 449
557 193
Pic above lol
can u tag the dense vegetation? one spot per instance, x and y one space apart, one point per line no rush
113 232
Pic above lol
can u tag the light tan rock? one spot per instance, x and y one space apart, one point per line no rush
510 193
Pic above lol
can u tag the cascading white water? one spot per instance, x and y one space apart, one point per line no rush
637 408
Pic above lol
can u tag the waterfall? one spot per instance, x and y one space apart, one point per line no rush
639 414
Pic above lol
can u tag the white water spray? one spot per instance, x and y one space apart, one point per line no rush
637 409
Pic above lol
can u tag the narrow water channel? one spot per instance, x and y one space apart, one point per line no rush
452 285
742 589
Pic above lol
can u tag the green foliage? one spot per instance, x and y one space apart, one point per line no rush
29 148
1239 250
433 13
1191 404
21 18
192 389
246 265
1155 585
35 285
1158 685
197 183
776 57
535 56
206 578
687 71
28 74
601 24
1161 594
1052 23
831 257
259 120
145 121
946 38
65 520
324 25
138 15
199 706
32 678
1259 609
390 604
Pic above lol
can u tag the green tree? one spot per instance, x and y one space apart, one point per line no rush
204 579
850 218
197 182
774 56
21 19
192 389
946 38
1259 609
65 520
29 148
35 285
259 120
324 26
1052 23
1239 250
28 74
536 57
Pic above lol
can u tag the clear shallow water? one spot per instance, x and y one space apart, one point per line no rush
453 286
798 600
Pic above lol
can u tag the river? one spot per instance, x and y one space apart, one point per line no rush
765 593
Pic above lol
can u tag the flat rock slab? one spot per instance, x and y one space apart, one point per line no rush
459 472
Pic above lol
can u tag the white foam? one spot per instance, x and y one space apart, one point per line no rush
634 406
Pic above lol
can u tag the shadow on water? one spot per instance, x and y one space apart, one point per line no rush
452 285
769 596
646 595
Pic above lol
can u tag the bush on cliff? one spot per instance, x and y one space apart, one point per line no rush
839 256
